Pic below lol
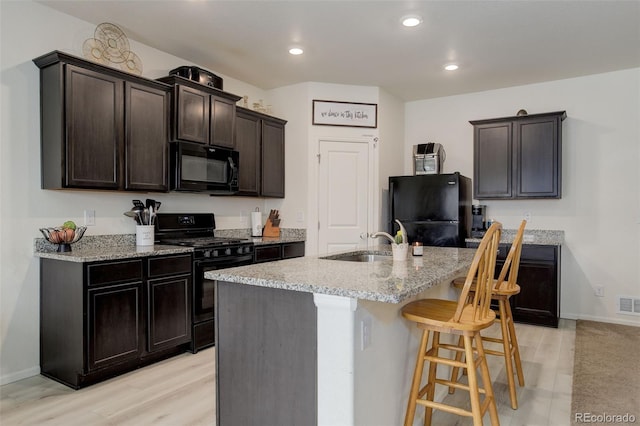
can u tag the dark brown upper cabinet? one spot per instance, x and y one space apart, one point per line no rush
201 113
146 134
101 128
260 141
518 157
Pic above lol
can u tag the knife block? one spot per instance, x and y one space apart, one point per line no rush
270 230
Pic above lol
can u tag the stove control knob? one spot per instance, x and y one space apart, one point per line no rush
239 250
214 253
247 249
227 251
207 253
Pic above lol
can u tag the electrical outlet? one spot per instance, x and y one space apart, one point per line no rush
599 291
89 217
365 333
300 216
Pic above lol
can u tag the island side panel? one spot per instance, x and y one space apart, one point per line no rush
266 354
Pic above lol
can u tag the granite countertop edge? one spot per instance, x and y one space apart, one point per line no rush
94 248
112 253
381 281
531 237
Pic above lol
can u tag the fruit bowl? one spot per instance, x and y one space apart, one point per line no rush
64 237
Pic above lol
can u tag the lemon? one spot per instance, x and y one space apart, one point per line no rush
69 225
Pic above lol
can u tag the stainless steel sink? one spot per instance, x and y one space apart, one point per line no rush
359 257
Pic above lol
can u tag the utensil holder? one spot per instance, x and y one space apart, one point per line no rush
400 252
144 235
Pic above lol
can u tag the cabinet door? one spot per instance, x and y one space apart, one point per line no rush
146 147
290 250
537 302
223 113
492 159
267 253
248 131
272 159
169 312
537 158
94 120
114 324
192 115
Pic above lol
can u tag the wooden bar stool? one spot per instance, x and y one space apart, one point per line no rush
464 317
502 291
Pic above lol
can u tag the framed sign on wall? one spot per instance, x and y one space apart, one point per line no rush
351 114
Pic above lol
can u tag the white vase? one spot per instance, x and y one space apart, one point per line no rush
400 252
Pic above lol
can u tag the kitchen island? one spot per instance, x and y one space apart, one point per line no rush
317 340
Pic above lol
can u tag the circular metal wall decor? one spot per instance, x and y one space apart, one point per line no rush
110 46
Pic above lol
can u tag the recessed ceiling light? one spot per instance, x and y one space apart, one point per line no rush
451 67
411 20
296 51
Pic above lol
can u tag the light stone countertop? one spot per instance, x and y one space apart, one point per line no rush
113 253
95 248
382 281
530 237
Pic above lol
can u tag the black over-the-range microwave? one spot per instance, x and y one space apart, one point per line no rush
204 168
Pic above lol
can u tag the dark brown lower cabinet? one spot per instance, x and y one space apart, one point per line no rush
539 279
114 324
101 319
169 321
538 302
278 251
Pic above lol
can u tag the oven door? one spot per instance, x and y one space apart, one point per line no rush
203 289
203 168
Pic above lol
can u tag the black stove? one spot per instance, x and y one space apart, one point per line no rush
197 230
210 252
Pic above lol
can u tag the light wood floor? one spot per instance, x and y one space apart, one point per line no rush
180 391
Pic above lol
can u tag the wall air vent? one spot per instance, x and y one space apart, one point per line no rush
628 305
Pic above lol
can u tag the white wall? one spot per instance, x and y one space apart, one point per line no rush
28 31
600 206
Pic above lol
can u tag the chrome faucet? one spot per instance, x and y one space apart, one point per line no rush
389 237
383 234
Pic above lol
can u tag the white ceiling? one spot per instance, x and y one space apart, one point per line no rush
360 42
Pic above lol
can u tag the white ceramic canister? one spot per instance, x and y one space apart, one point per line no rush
144 235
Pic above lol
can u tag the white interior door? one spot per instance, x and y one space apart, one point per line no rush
344 178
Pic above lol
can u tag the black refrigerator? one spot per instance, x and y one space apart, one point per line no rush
434 209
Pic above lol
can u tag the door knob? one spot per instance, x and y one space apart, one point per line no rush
364 235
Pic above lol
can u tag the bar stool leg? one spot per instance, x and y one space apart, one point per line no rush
431 381
514 344
506 344
455 371
417 378
486 382
474 395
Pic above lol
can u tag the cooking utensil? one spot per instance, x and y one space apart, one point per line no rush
138 211
131 214
138 203
152 215
150 203
145 216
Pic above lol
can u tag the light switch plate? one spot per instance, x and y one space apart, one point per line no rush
89 217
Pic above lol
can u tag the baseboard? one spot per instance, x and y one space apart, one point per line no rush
609 320
14 377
